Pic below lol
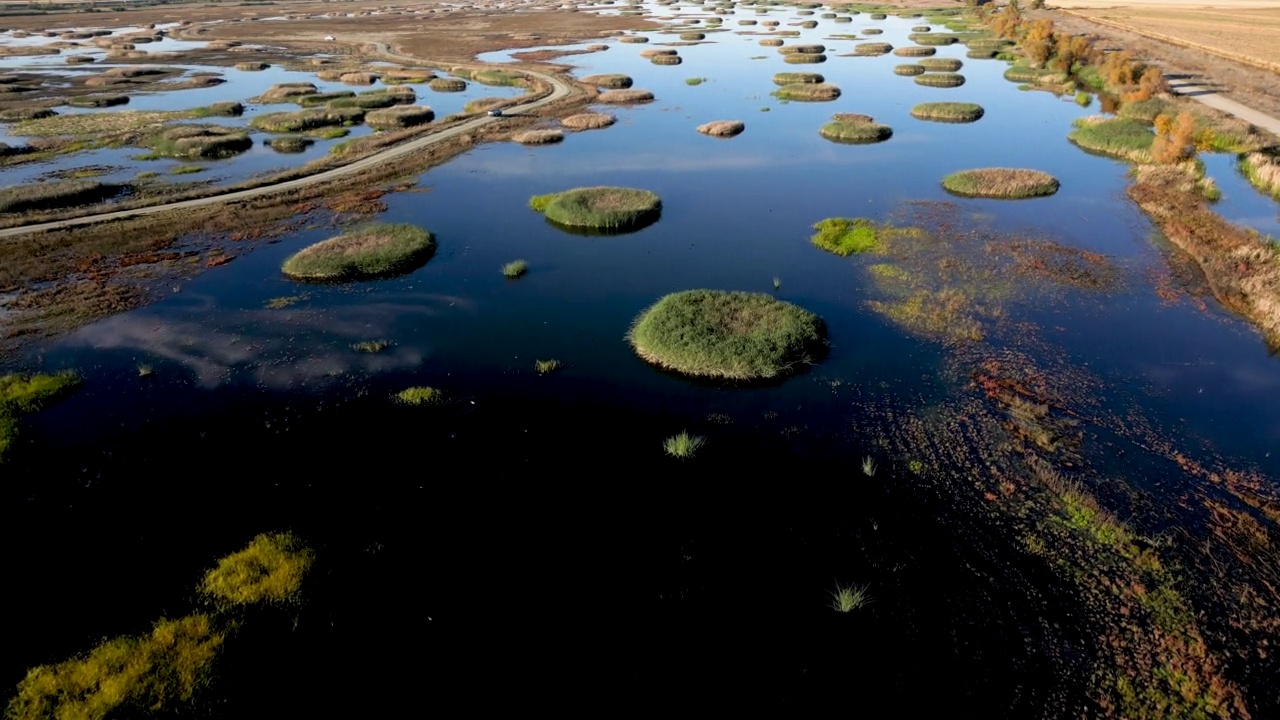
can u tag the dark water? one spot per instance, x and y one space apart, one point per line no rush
528 542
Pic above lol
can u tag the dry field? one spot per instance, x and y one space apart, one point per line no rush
1241 31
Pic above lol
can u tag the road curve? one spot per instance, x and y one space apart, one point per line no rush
559 90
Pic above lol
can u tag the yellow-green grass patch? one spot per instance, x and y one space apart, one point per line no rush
1122 138
908 70
915 51
601 208
269 570
1004 183
935 64
399 117
855 129
625 97
846 236
372 251
808 92
612 81
791 78
954 112
421 395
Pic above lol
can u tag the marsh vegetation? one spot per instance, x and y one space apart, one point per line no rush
372 251
1006 183
599 208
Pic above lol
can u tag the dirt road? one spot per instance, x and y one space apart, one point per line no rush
559 91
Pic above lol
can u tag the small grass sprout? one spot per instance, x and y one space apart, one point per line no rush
683 445
868 466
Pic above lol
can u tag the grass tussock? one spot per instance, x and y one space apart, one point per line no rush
849 598
1263 172
358 78
855 129
666 60
793 78
290 144
846 236
651 53
251 66
625 97
25 394
772 42
292 122
933 38
285 92
56 195
804 59
872 48
633 39
808 92
728 335
941 64
908 70
26 113
497 78
603 208
954 112
683 445
1122 138
722 128
421 395
612 81
546 136
447 84
371 347
400 117
199 142
269 570
124 676
1004 183
811 49
940 80
915 51
98 101
588 121
544 367
376 250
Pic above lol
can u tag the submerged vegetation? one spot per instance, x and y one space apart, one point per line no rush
603 208
269 570
373 251
1008 183
727 335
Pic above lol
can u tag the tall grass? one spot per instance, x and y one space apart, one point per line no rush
940 80
544 136
849 598
683 445
375 250
613 81
908 70
855 129
872 48
588 121
625 97
808 92
307 119
915 51
941 64
1122 138
1006 183
792 78
399 117
447 84
727 335
55 195
270 569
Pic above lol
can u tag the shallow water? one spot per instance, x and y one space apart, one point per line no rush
535 512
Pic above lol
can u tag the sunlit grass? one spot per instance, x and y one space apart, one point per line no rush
849 598
421 396
868 466
375 250
845 236
683 445
515 269
546 366
270 569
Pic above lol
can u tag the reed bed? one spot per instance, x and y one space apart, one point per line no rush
372 251
804 59
915 51
1002 183
588 121
953 112
358 78
872 48
199 142
599 208
538 137
1122 138
651 53
908 70
791 78
853 129
251 66
292 122
810 49
941 64
633 39
772 42
940 80
98 101
933 39
284 92
447 84
56 195
290 144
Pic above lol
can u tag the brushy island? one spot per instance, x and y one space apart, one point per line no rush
955 112
22 395
1006 183
727 335
376 250
599 208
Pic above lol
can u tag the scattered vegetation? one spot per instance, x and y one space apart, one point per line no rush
955 112
372 347
269 570
515 269
604 208
846 236
868 466
940 80
813 49
728 335
375 250
722 128
285 92
850 598
1007 183
25 394
683 445
808 92
855 129
421 396
588 121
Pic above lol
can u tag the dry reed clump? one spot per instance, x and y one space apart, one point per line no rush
97 101
666 59
791 78
772 42
722 128
26 113
447 85
814 49
804 59
538 137
1003 183
322 98
613 81
872 48
769 23
941 64
373 251
633 39
873 31
413 75
54 195
290 144
980 54
921 29
955 112
480 105
332 74
915 51
284 92
651 53
399 117
588 121
1263 170
194 142
940 80
933 39
140 71
855 129
746 22
810 92
908 70
625 97
251 66
358 78
105 81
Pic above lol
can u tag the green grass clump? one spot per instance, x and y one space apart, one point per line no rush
955 112
290 143
846 236
908 70
848 599
1022 73
604 208
855 129
26 394
270 569
515 269
728 335
683 445
447 85
546 366
137 676
421 396
1146 110
1006 183
497 77
933 38
375 250
941 64
199 142
317 99
807 92
793 78
804 59
940 80
980 54
814 49
1122 138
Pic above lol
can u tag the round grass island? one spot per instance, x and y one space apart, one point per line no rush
727 335
607 209
1004 183
373 251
